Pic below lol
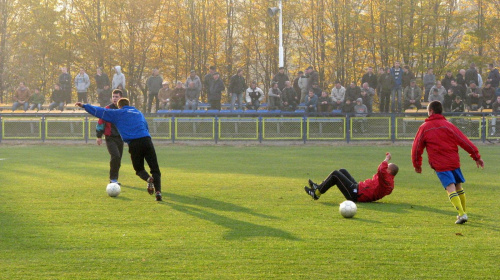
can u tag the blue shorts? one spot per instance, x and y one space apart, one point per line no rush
451 177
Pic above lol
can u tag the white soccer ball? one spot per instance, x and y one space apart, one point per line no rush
348 209
113 189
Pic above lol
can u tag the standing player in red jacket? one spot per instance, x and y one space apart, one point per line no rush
442 138
369 190
114 141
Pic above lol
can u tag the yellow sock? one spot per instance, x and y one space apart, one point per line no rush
461 194
455 200
317 192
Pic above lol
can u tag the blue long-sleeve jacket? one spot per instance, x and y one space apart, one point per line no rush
398 80
129 121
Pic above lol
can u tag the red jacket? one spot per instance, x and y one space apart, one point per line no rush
441 138
377 187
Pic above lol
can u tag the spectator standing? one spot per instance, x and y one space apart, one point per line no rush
274 97
313 77
471 75
280 78
397 90
360 110
289 98
367 94
119 79
493 76
65 84
407 77
254 96
208 80
105 96
461 79
82 83
192 96
102 80
164 96
429 82
58 98
236 89
370 78
304 86
385 86
215 93
21 97
311 102
337 96
37 100
153 85
496 112
178 97
413 95
295 84
474 97
446 81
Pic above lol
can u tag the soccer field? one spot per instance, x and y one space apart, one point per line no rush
239 213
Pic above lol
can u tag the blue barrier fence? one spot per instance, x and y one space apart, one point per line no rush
239 126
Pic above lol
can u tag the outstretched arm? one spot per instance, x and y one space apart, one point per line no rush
387 157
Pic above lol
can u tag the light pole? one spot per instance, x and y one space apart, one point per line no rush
272 12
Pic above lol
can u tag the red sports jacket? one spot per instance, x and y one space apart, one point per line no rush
441 138
377 187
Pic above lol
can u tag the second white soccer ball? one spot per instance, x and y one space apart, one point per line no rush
113 189
348 209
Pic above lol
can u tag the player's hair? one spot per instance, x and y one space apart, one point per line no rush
394 169
436 107
118 91
123 102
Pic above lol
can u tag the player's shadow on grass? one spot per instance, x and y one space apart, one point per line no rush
199 207
404 208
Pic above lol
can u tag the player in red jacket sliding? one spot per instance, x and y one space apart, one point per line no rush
441 139
368 190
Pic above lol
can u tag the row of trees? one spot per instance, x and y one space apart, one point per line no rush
340 38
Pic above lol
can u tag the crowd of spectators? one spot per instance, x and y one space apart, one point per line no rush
396 89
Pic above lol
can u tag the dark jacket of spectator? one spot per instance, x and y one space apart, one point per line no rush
237 84
385 83
353 93
154 84
216 90
313 79
471 75
494 78
289 99
371 79
446 82
488 95
178 98
102 80
407 77
448 100
281 78
58 96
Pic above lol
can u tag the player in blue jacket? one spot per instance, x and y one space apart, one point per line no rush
134 130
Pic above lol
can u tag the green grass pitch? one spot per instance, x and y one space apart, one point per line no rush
239 213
